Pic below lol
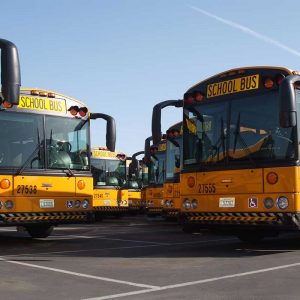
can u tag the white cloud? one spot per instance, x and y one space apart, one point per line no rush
248 31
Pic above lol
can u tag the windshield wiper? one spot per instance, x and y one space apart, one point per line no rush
245 148
31 156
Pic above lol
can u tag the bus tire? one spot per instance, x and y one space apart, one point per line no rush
39 230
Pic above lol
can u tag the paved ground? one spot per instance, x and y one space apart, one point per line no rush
140 258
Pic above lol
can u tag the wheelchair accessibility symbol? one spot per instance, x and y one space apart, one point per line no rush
70 204
252 203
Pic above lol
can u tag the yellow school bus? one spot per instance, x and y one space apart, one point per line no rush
241 153
109 174
171 202
156 177
135 183
44 162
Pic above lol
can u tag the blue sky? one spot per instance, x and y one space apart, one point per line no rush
121 57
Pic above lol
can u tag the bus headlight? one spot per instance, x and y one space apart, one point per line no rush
282 202
171 203
167 203
85 204
186 204
9 204
268 203
194 204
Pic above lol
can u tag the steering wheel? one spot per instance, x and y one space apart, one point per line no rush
64 146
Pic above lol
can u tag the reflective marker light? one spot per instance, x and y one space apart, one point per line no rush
282 202
272 178
191 181
268 83
268 203
4 184
81 184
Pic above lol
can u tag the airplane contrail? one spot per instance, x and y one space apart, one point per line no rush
248 30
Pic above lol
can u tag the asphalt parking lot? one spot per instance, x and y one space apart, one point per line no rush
140 258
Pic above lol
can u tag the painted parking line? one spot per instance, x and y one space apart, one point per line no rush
78 274
174 286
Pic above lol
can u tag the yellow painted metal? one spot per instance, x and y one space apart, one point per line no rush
27 192
239 186
172 192
105 197
134 198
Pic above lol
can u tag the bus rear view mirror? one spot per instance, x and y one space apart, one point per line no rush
10 72
287 101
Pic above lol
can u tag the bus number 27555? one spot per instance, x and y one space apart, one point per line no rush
206 188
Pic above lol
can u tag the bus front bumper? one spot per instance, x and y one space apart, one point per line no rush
55 218
261 220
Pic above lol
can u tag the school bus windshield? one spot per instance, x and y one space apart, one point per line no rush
173 161
109 172
35 141
239 130
157 168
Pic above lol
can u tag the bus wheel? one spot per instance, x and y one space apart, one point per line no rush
39 230
250 237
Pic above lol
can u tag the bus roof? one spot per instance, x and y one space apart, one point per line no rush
26 90
41 101
241 71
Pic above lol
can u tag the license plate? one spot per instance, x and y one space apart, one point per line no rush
227 202
46 203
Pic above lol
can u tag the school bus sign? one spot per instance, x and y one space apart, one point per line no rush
43 104
241 84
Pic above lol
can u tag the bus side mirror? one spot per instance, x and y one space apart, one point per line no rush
10 72
287 101
288 119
